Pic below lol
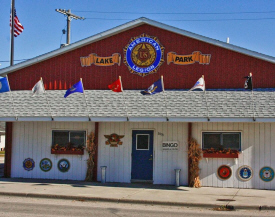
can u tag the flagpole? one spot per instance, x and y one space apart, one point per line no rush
123 98
206 99
254 119
162 83
12 33
12 98
47 98
85 100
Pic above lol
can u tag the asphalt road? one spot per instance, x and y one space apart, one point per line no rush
21 206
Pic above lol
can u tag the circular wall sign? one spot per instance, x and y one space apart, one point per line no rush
63 165
143 55
245 173
45 164
267 174
224 172
28 164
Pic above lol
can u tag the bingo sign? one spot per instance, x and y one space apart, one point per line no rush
143 55
170 145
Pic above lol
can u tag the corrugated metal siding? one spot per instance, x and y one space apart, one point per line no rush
226 68
34 139
258 146
118 159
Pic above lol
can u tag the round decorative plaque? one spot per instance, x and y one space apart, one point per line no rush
63 165
45 164
224 172
28 164
266 174
245 173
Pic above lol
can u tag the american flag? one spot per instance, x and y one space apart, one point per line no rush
18 28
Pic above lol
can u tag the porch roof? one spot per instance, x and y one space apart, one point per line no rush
171 105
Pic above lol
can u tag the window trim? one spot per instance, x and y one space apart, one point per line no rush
74 130
223 132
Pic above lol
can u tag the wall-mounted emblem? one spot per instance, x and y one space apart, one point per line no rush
245 173
196 56
267 174
100 61
45 164
113 140
143 55
63 165
28 164
224 172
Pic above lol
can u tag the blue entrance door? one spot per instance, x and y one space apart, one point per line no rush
142 154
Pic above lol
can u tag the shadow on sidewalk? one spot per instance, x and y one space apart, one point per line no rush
83 184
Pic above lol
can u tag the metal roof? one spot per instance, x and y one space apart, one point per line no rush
105 105
125 27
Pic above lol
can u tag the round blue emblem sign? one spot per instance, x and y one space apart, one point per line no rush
63 165
245 173
28 164
143 55
267 174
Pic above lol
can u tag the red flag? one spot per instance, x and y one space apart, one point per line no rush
116 86
18 27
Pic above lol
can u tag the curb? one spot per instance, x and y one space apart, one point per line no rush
130 201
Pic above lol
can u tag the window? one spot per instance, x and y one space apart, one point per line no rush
69 139
142 142
221 140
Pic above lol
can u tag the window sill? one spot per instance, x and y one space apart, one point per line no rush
220 155
68 152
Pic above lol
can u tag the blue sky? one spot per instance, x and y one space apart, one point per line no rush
248 23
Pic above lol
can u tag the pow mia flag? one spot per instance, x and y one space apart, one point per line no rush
248 83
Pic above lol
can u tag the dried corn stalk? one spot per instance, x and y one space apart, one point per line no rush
91 149
194 155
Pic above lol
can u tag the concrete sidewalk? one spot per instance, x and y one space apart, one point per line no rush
140 193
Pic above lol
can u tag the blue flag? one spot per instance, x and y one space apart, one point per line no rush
4 85
154 88
78 87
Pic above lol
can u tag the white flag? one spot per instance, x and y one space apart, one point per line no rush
38 88
200 84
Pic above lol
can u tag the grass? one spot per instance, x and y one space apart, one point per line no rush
2 152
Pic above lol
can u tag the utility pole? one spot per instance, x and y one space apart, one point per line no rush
69 17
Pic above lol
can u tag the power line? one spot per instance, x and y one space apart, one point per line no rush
197 20
179 13
4 61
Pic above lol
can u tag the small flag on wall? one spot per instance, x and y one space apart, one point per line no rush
4 85
18 27
200 84
38 88
156 87
248 83
116 86
78 87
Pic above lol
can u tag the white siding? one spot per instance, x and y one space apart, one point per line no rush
2 141
118 159
258 149
34 140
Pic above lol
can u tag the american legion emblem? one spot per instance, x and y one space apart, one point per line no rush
28 164
267 174
143 55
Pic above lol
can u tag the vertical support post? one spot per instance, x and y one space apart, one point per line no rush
189 160
96 153
8 150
